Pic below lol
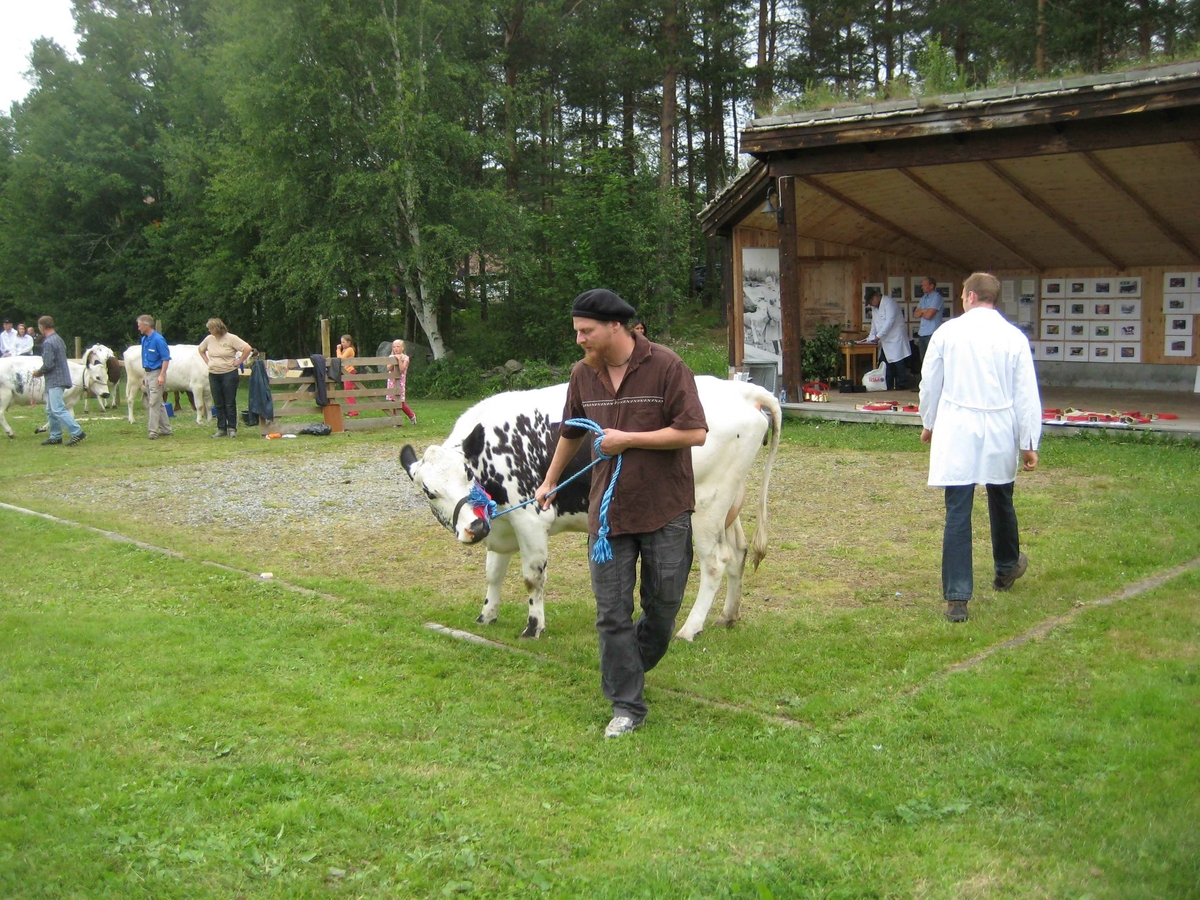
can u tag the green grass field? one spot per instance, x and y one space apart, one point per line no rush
169 728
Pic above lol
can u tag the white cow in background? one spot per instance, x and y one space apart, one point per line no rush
187 372
98 354
505 443
17 383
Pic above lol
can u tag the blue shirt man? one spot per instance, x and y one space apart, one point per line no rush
156 359
931 299
154 351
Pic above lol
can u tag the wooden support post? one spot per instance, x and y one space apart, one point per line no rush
158 325
734 328
325 338
790 302
78 347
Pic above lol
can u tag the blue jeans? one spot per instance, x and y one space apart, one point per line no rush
58 416
224 390
957 574
628 650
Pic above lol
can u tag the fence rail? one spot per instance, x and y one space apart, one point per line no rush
295 394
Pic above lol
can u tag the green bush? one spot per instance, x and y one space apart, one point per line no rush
822 355
448 378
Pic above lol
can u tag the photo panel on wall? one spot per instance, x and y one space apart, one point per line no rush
1054 330
1128 353
1129 287
1127 309
1079 331
1054 287
1178 282
1079 287
1177 304
1054 309
895 289
1102 352
1078 309
1177 346
1104 287
1051 351
1101 331
1128 331
1101 309
1180 325
1075 351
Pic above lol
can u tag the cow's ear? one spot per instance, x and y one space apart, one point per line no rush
408 458
473 445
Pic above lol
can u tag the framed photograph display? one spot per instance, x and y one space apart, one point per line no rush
1177 346
1128 353
1079 287
1101 309
1102 352
1102 331
914 289
1054 330
1178 282
1051 351
895 289
1078 309
1177 304
1054 309
1079 331
1129 287
1075 351
1104 287
868 287
1181 325
1054 287
1128 331
1127 309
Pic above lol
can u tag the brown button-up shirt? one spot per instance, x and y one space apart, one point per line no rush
658 391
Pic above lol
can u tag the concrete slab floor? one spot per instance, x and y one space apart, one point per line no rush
841 407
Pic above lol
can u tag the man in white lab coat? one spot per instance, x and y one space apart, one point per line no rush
888 328
981 409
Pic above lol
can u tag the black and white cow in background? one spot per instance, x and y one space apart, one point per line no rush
17 384
506 442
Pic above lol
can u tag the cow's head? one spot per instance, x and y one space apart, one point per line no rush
442 475
95 370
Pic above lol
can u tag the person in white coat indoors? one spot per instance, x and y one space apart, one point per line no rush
888 328
980 409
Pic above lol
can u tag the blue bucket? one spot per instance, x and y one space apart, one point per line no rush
170 408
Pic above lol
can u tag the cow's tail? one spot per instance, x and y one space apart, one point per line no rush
759 544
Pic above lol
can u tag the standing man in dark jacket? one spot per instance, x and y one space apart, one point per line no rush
645 399
58 378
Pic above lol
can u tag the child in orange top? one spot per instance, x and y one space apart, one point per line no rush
345 350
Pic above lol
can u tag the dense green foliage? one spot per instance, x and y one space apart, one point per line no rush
452 171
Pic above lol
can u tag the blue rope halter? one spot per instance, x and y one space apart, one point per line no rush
601 549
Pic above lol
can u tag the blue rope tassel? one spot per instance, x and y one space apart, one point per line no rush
602 549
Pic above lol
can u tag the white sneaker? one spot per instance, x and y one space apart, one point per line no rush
621 725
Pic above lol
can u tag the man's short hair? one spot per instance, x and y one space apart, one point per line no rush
6 322
985 286
45 322
146 320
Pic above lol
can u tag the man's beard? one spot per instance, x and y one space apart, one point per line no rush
594 359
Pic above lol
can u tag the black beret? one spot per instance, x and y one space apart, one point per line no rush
603 306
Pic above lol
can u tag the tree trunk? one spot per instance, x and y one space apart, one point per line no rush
889 47
512 30
667 122
1040 55
1145 27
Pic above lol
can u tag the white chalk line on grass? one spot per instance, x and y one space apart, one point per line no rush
1037 631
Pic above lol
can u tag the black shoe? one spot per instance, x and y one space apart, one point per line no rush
49 441
1005 582
956 610
78 439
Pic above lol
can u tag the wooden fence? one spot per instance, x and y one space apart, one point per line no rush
294 394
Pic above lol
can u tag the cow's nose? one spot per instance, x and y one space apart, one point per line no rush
477 531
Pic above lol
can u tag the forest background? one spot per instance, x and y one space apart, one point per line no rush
453 171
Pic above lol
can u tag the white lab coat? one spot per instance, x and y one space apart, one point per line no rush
888 326
979 397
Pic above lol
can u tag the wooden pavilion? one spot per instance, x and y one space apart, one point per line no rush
1085 184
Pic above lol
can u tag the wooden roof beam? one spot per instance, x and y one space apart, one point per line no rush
1178 238
962 213
936 254
1054 215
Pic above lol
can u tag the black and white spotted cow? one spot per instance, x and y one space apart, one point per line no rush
17 384
506 442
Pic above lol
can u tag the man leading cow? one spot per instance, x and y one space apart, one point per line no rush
644 397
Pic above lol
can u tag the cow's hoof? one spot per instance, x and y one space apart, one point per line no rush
532 630
726 621
685 634
481 619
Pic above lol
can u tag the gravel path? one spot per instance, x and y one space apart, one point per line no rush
359 485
